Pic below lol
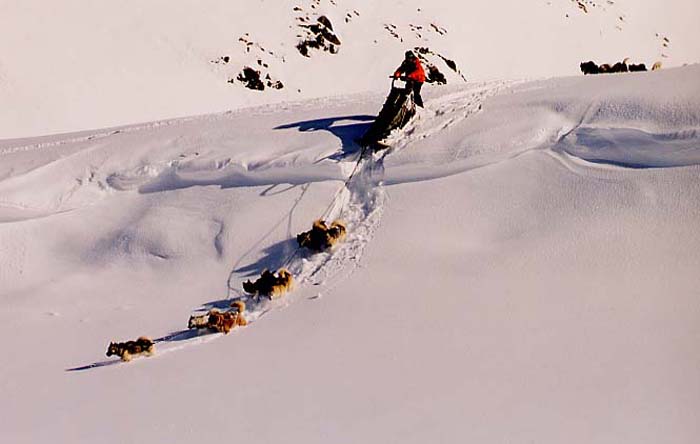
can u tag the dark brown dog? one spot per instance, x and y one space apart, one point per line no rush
126 350
270 285
322 237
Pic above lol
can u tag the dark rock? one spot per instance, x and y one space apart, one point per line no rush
251 79
435 76
319 36
325 22
275 84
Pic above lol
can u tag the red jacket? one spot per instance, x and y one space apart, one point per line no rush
412 69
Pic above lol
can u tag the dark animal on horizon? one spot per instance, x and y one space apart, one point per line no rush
604 68
619 67
589 67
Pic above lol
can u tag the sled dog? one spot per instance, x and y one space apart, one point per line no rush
322 237
221 321
126 350
270 285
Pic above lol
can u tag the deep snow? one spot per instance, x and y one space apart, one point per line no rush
523 267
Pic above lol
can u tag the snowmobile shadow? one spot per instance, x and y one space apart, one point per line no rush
347 133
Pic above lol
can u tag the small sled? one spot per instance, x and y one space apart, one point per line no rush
397 111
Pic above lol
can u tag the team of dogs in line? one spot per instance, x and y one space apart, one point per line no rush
320 238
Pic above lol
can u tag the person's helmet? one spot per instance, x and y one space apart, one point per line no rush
410 55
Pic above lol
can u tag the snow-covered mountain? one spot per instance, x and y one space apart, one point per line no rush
521 268
67 65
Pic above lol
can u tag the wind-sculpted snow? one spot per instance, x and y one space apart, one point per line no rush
492 239
617 122
633 148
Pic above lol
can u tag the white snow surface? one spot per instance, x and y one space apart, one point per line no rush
521 267
72 65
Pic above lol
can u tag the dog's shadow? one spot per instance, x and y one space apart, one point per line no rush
94 365
177 336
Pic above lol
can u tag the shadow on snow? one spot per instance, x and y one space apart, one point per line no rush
347 133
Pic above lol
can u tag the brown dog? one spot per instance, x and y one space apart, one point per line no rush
322 237
126 350
270 285
221 321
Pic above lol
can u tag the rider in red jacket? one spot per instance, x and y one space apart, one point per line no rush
412 69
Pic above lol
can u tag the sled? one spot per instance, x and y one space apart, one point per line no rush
397 111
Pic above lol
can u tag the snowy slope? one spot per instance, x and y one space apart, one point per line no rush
522 268
69 66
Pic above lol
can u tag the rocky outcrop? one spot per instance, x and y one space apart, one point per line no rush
252 79
433 73
318 36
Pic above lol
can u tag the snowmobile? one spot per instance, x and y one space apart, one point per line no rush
398 109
